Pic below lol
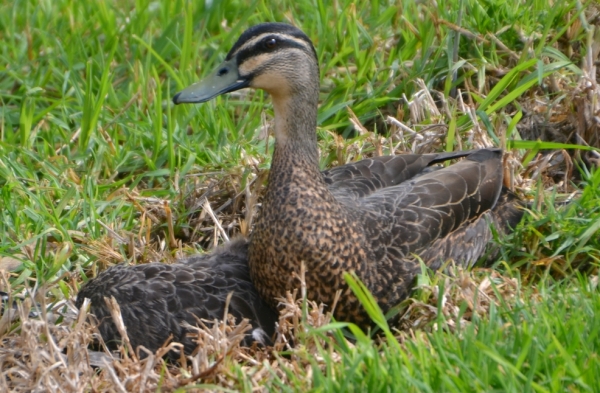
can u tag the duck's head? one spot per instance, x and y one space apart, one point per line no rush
274 57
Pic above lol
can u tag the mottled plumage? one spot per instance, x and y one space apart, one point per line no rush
368 217
155 298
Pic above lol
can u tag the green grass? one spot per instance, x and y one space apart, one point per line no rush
541 346
88 137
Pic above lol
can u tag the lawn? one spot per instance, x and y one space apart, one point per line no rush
98 167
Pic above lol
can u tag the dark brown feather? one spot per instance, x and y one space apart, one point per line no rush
155 298
361 178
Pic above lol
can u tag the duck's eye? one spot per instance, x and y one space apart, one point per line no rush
270 43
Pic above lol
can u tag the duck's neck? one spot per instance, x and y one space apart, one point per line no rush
296 150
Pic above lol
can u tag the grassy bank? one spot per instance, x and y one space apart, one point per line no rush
98 167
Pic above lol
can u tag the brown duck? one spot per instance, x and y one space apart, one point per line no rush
370 217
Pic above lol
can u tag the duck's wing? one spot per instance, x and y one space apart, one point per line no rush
155 299
466 245
410 217
470 242
362 178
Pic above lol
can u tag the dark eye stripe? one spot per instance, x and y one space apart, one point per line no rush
258 48
264 29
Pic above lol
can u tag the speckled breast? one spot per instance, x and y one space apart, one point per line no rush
296 230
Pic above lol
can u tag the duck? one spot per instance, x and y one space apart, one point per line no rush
159 301
377 218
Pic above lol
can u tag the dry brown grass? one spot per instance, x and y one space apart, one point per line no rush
39 354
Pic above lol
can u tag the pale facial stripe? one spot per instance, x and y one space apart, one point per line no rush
253 63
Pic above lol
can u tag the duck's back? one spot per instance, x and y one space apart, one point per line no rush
155 298
360 179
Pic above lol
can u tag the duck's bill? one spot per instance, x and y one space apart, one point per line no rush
224 79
